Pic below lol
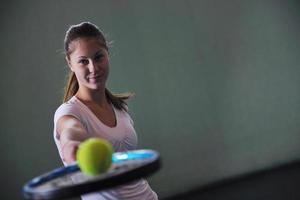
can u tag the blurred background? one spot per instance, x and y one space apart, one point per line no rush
217 84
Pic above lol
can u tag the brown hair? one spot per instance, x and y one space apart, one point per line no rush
87 30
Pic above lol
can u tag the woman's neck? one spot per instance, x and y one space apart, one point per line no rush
92 96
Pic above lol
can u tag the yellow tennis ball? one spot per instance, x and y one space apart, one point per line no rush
94 156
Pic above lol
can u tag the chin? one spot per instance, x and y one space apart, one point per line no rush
96 87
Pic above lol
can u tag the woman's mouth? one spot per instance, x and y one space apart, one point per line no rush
94 77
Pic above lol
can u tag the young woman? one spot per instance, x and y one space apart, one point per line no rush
90 110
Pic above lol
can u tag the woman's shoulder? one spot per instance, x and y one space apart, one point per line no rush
70 107
71 103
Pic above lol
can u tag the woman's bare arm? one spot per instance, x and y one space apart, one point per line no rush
71 134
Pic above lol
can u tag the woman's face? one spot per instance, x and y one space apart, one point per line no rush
90 62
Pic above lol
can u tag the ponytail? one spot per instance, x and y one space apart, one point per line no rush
71 87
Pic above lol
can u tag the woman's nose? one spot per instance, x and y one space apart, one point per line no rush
93 66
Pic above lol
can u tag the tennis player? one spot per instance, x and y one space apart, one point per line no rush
91 110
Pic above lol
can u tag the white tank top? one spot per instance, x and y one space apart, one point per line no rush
123 137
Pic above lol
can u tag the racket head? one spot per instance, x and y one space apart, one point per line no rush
69 181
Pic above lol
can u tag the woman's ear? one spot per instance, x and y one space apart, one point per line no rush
69 63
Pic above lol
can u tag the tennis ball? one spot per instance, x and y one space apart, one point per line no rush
94 156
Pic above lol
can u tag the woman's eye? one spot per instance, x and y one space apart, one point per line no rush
84 62
99 57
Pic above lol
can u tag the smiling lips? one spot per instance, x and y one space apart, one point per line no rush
94 77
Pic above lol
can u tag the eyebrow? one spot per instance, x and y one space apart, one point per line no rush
97 53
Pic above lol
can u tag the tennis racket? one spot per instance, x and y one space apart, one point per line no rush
69 181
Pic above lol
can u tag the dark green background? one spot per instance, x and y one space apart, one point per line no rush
217 84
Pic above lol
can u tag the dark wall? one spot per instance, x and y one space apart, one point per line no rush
216 82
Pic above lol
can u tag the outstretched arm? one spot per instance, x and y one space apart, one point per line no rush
71 134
